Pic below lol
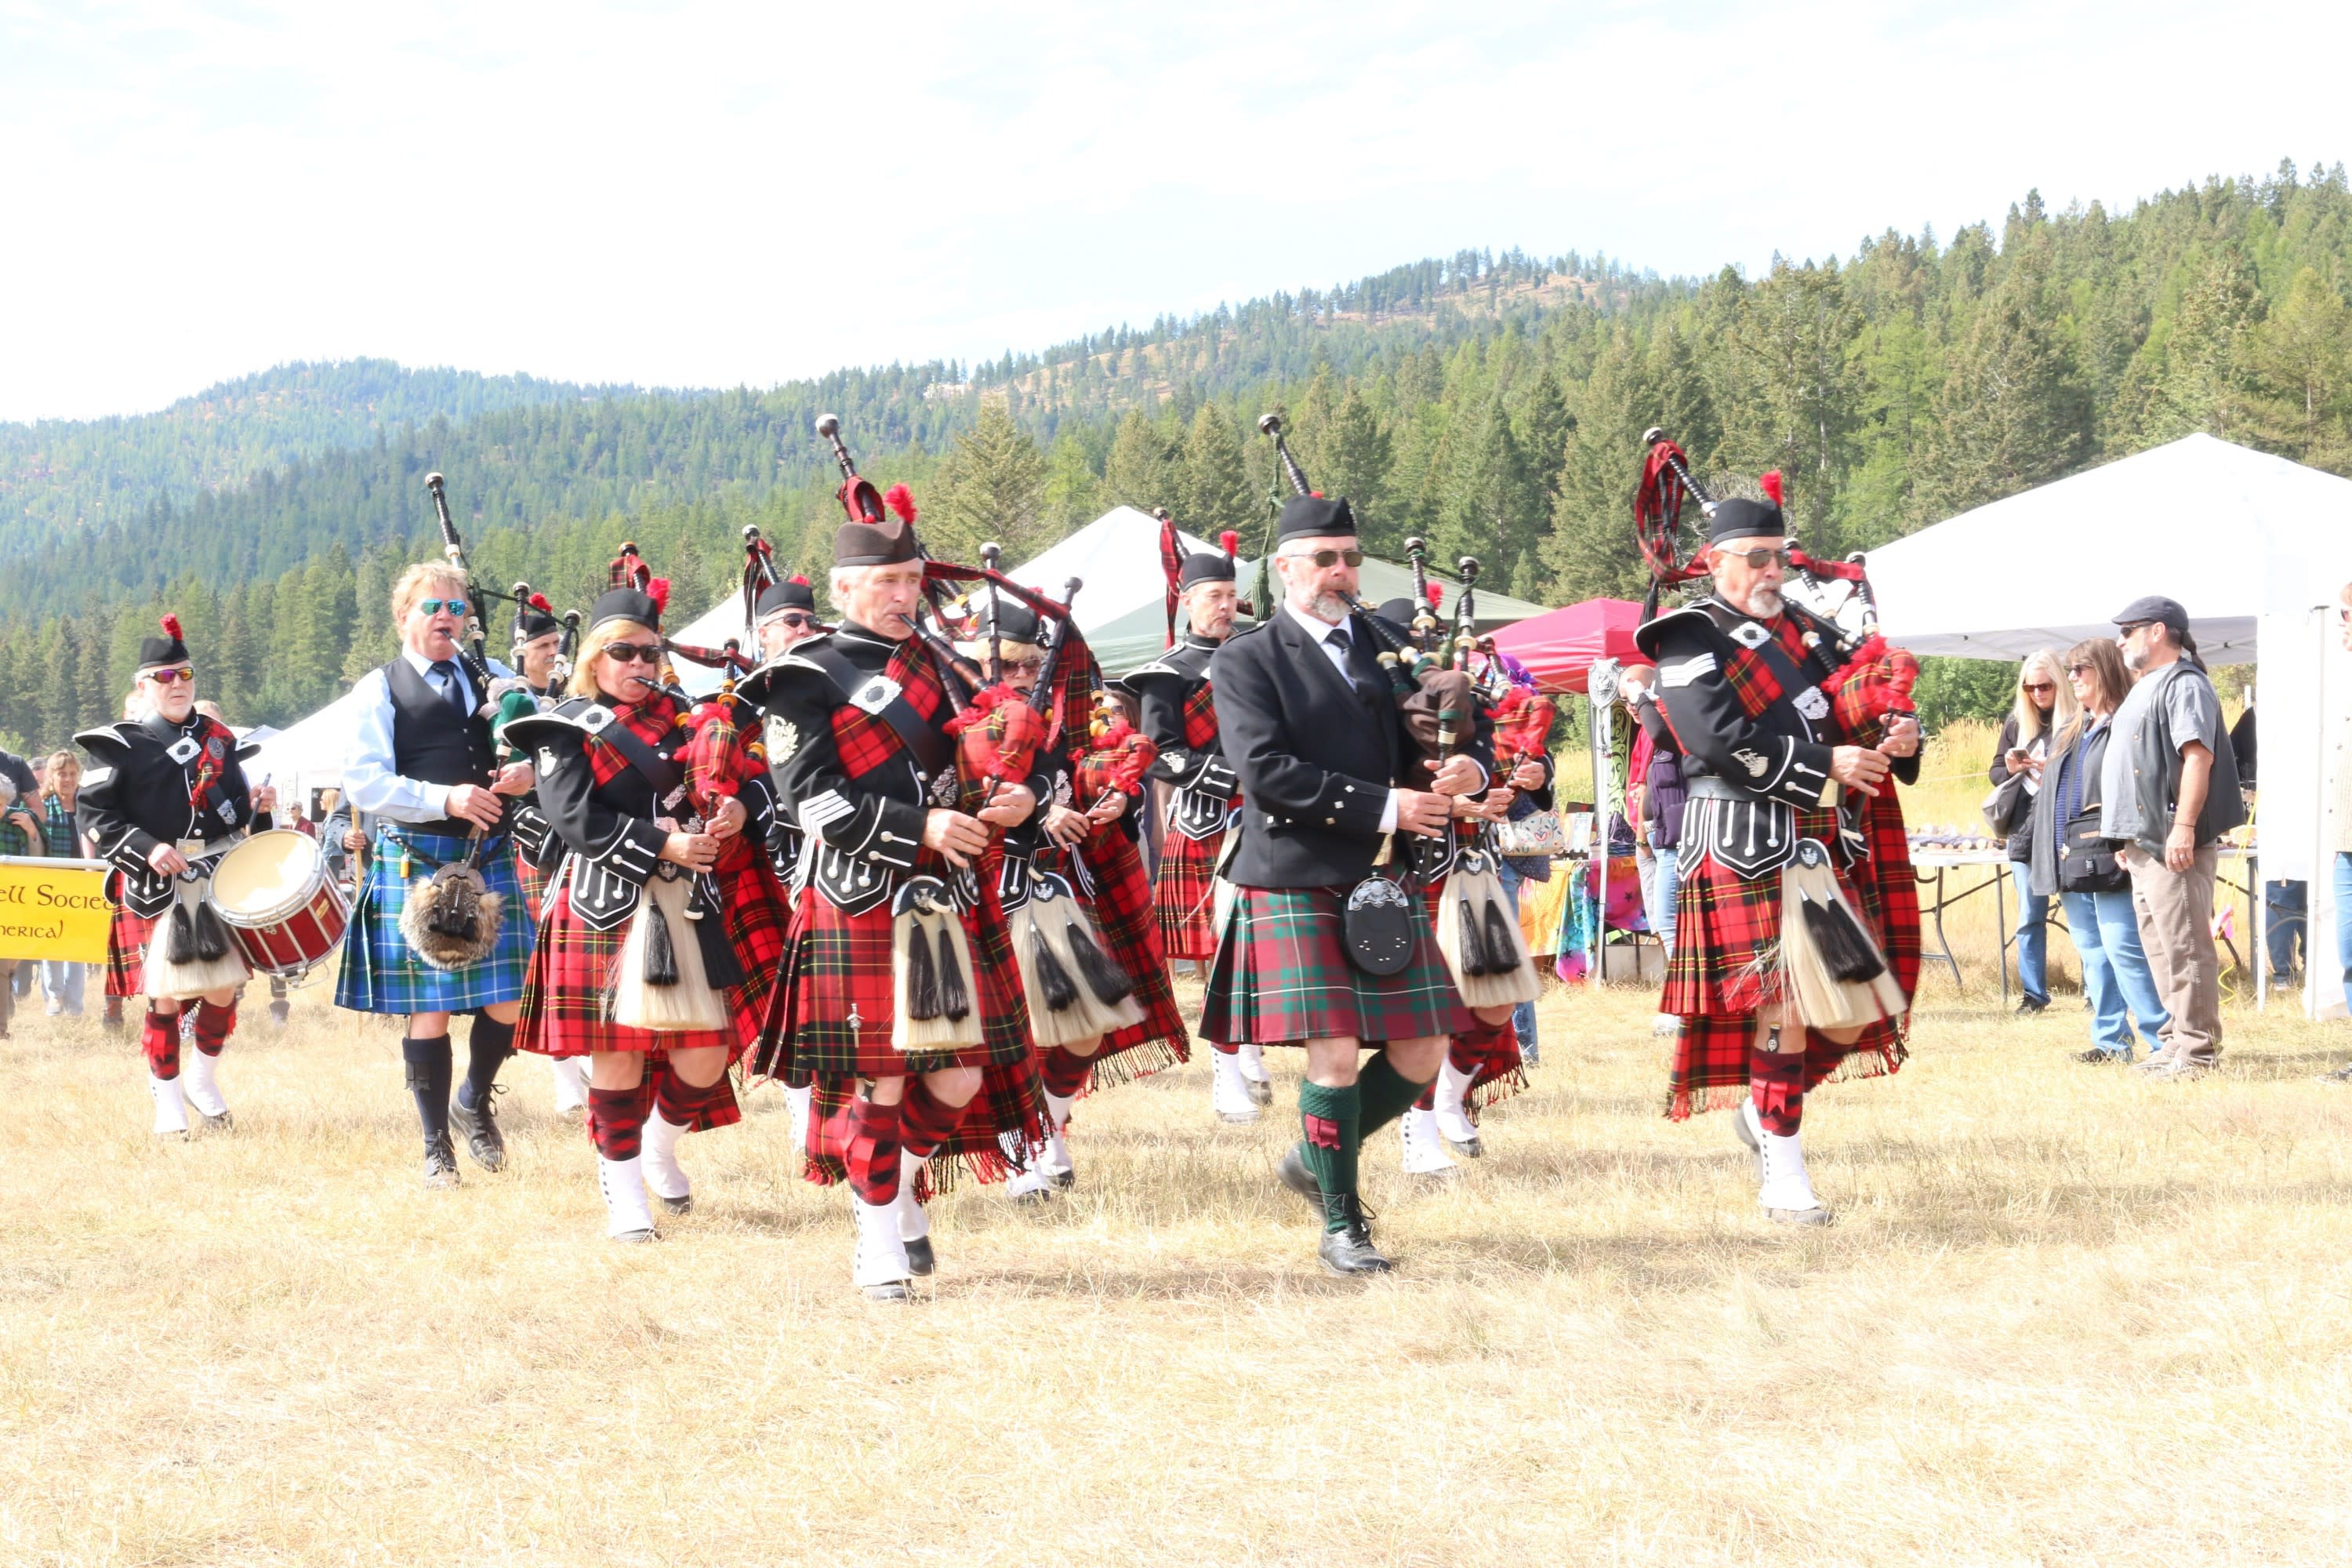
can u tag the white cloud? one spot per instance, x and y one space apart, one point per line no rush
706 194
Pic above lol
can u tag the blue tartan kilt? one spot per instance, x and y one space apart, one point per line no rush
382 974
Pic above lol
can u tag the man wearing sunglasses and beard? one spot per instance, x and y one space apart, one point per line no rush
423 765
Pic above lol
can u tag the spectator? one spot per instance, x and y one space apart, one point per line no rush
2083 871
2169 790
1655 795
20 776
2045 705
2339 830
20 836
2286 904
61 982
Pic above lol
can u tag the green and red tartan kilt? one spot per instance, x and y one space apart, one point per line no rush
126 953
1183 892
833 1009
563 1002
1282 977
1123 910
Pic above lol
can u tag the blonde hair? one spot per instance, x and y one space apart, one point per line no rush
2062 697
591 649
416 579
58 760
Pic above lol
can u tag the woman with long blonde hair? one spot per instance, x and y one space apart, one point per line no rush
2045 705
61 983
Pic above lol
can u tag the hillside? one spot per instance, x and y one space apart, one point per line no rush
1491 403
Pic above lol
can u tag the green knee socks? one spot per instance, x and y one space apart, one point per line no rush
1333 1119
1383 1093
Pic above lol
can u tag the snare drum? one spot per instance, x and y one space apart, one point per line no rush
281 907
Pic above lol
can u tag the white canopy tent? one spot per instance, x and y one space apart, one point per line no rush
306 754
2253 546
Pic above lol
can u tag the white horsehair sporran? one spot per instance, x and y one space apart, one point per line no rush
1479 936
660 982
1832 969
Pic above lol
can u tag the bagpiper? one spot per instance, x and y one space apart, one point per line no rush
784 614
661 941
537 656
1079 905
164 796
1177 712
1796 935
899 994
1323 946
438 928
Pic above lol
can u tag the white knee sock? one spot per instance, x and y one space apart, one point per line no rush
659 1152
199 1083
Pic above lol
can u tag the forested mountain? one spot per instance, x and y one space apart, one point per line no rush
1492 404
60 474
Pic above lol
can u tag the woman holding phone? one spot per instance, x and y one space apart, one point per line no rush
2045 705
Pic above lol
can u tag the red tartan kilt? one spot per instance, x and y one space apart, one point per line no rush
126 953
1122 911
1728 932
564 1012
533 882
1183 893
1490 1054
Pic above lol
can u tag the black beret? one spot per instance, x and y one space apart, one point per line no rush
1740 517
624 604
792 593
1205 566
884 543
1315 517
1009 620
168 649
531 624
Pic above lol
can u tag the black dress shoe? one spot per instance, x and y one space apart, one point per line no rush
919 1259
440 1162
1292 1174
1349 1251
2030 1005
479 1128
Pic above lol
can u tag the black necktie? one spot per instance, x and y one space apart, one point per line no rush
1338 639
453 691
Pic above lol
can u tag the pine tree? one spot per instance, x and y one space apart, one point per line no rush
1492 506
1071 487
1591 549
991 488
1215 489
2303 356
1354 461
1139 471
2013 411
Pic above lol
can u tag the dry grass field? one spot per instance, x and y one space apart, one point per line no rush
2065 1316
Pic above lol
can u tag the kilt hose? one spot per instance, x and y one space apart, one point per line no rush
1489 1052
126 936
1282 977
565 1008
1123 908
1726 966
1184 893
830 1016
382 974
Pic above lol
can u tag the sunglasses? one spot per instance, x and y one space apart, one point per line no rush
1325 560
435 606
2042 685
2082 669
794 619
1024 665
633 652
170 677
1756 559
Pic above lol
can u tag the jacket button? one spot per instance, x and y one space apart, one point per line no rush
1330 820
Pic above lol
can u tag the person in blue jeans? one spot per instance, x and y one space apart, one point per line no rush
2043 707
2096 889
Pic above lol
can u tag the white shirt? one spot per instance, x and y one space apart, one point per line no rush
370 781
1321 632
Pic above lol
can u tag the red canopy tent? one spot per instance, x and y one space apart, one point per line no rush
1560 645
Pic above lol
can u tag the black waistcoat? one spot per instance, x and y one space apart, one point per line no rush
432 744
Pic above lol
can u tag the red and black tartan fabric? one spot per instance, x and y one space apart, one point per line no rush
1750 677
1007 1113
1184 888
1123 912
126 953
563 1005
650 721
534 885
1726 966
1488 1052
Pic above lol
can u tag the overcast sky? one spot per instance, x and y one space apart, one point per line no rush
715 193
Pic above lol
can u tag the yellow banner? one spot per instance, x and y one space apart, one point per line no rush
54 909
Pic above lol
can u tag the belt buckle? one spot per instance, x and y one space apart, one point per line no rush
191 847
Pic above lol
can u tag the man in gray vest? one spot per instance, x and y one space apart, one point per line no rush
2170 790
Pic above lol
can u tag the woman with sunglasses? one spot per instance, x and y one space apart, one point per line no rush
423 765
2045 705
619 778
164 796
2070 859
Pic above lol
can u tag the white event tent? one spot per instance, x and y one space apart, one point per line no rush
2253 546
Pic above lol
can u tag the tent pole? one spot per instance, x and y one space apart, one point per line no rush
1599 692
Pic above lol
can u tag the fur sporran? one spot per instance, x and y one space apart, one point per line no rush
934 990
658 980
1075 989
1832 969
1480 937
452 918
190 953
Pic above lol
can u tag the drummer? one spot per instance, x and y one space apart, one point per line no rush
421 762
163 796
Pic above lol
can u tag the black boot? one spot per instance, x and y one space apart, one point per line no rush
1292 1174
488 1047
429 1071
479 1128
1349 1251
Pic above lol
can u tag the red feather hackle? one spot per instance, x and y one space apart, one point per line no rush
1771 486
172 627
539 602
657 590
1231 543
900 500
